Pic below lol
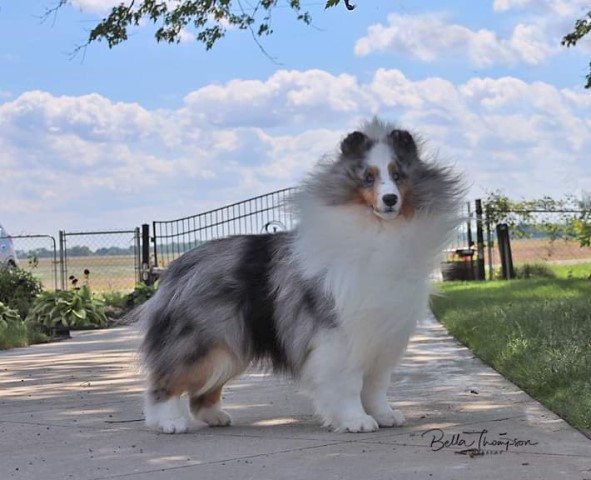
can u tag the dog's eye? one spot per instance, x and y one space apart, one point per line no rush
395 176
369 178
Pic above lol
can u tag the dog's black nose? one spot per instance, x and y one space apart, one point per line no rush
390 199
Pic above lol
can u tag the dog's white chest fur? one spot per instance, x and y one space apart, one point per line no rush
377 272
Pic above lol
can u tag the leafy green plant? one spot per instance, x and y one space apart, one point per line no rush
70 308
115 304
140 294
13 331
18 289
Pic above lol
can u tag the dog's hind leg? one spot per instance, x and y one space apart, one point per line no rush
208 408
218 367
203 380
164 410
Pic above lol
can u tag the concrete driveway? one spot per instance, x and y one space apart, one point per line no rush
73 410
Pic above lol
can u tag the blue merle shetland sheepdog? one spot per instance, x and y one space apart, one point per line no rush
332 303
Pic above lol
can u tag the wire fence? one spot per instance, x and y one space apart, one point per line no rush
119 260
263 214
546 237
110 257
38 255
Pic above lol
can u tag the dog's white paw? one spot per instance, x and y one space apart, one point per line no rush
172 425
215 417
363 424
389 418
168 416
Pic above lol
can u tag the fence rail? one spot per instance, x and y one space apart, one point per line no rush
265 213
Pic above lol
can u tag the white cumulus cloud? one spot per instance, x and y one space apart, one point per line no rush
88 162
430 37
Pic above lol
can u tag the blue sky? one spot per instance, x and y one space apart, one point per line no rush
143 132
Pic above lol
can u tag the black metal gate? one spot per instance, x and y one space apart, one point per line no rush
265 213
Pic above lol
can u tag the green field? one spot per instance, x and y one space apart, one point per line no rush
107 273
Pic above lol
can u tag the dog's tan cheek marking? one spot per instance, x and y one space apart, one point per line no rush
368 196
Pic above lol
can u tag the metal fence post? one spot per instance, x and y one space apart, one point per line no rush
480 274
489 247
145 255
137 256
63 273
54 264
505 251
155 240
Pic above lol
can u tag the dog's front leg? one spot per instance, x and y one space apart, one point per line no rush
335 385
374 396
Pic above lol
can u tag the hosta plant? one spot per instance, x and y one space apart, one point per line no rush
69 308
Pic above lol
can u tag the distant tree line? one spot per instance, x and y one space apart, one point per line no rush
77 251
84 251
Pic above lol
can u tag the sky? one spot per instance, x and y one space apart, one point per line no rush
111 139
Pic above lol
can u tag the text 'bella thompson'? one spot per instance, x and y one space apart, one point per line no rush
476 440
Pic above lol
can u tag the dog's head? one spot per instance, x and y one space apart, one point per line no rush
380 167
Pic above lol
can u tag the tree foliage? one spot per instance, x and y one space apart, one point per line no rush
581 29
568 218
210 19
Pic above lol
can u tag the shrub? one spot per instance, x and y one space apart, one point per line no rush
13 331
534 270
140 294
115 304
69 308
18 289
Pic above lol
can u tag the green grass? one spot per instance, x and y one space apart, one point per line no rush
536 332
576 270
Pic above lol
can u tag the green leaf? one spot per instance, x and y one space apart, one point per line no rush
81 314
332 3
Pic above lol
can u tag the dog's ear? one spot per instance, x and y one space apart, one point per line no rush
355 144
404 145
